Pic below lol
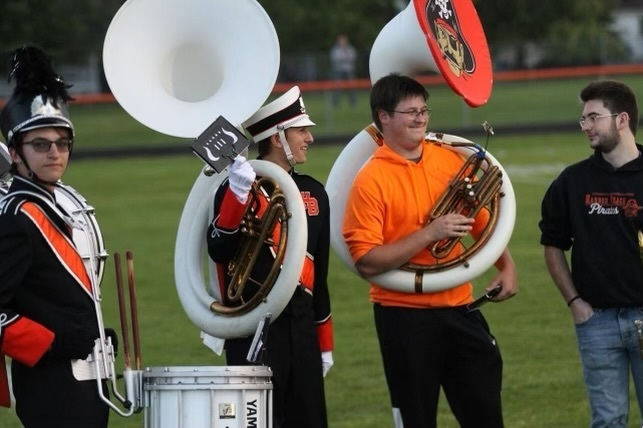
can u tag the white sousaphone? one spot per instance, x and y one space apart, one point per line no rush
176 66
401 47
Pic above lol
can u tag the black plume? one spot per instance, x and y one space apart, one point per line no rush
32 69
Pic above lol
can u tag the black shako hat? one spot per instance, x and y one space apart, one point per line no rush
39 99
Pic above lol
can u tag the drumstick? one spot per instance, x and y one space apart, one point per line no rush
122 310
133 309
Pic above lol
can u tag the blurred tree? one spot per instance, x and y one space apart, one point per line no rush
310 25
515 23
568 45
69 30
308 28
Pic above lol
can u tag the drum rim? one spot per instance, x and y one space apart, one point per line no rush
189 371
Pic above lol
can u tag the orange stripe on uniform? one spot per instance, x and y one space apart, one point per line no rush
25 341
307 277
325 335
59 243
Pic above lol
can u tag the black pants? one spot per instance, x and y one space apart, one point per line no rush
48 396
293 354
425 349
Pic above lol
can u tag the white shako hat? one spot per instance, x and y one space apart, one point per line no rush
285 112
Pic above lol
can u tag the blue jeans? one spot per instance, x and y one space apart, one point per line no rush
609 350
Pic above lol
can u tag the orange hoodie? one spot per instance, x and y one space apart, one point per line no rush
391 198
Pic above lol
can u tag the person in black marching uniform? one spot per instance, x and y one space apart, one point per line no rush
300 341
47 312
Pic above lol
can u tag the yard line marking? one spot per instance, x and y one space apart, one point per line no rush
538 173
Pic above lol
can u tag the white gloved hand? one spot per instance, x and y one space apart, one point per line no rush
241 176
327 361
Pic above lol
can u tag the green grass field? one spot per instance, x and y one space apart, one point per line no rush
530 102
139 201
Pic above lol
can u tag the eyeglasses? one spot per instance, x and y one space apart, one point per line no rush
43 145
592 118
414 114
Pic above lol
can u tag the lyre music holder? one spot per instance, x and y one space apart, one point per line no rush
219 144
258 346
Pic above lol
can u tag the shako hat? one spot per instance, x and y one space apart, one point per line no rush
285 112
39 99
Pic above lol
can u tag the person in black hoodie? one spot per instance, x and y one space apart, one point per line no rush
595 208
48 319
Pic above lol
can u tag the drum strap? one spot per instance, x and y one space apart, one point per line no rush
60 244
307 277
54 207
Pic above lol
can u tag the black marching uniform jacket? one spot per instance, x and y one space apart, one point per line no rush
45 290
303 330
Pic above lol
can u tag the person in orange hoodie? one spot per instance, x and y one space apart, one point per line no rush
427 341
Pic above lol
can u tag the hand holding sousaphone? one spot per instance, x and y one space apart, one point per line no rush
447 37
174 71
189 257
421 279
205 308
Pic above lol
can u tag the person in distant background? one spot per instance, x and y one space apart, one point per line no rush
300 340
343 57
595 207
48 321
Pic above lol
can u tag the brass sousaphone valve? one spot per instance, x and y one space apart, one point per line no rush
256 232
476 186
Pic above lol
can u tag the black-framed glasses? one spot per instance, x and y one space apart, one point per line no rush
414 114
592 118
43 145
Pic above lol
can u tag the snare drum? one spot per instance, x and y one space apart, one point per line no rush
88 240
208 397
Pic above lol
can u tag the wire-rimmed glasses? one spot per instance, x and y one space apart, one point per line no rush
43 145
592 118
414 114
